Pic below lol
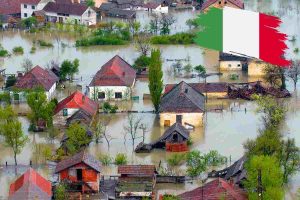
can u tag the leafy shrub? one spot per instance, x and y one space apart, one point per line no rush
170 197
233 77
18 50
3 53
108 108
10 81
100 40
5 97
60 192
105 159
140 62
121 159
33 49
176 159
43 43
179 38
213 158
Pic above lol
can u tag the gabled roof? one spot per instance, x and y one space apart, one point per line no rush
66 8
139 170
9 7
81 157
237 3
236 168
215 190
80 116
79 101
31 2
107 6
182 99
36 77
203 88
31 185
116 72
176 127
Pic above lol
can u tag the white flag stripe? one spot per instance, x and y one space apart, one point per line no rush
241 32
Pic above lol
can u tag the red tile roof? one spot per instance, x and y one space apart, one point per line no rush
9 7
79 101
31 2
139 170
37 76
238 3
152 5
116 72
202 87
81 157
66 8
215 190
31 185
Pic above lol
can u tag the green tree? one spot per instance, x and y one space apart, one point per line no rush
90 3
77 138
200 69
68 69
196 163
29 22
121 159
274 76
11 130
155 78
141 62
271 178
41 109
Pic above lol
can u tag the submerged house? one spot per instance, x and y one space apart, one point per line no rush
38 77
222 3
114 80
229 62
156 7
30 185
11 8
82 171
136 181
218 189
111 10
29 6
182 104
75 102
211 90
256 68
70 12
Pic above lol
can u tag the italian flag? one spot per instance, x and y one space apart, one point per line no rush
244 33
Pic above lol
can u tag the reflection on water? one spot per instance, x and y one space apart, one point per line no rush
225 131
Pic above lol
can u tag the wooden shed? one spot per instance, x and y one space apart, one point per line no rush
82 171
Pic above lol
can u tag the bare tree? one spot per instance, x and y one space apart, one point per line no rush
154 24
52 64
106 135
165 22
27 65
294 72
142 43
131 127
144 129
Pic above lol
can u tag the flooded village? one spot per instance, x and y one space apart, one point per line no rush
114 100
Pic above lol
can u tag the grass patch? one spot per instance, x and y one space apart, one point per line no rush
179 38
43 43
18 50
176 159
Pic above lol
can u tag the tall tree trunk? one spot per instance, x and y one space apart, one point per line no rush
15 157
283 85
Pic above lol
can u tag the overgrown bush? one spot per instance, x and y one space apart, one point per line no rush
100 40
10 81
179 38
43 43
105 159
32 50
3 53
60 192
108 108
18 50
170 197
121 159
176 159
141 62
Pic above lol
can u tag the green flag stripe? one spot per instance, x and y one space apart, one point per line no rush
211 29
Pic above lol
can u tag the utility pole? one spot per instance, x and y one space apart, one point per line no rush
259 186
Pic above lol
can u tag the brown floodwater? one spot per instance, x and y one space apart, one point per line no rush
223 131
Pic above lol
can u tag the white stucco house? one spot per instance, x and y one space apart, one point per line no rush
66 12
114 81
230 62
29 6
38 77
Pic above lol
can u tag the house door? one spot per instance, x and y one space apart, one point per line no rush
60 19
79 174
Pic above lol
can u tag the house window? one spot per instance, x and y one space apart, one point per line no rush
118 95
239 65
175 138
101 95
167 123
229 65
65 112
89 13
219 2
25 6
33 7
179 119
25 14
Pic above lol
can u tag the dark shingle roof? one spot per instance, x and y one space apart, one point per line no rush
236 168
71 9
177 127
231 57
116 72
203 87
37 76
139 170
80 116
182 98
107 6
81 157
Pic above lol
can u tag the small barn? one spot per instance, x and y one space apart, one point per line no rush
136 181
80 116
82 171
30 185
222 3
230 62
